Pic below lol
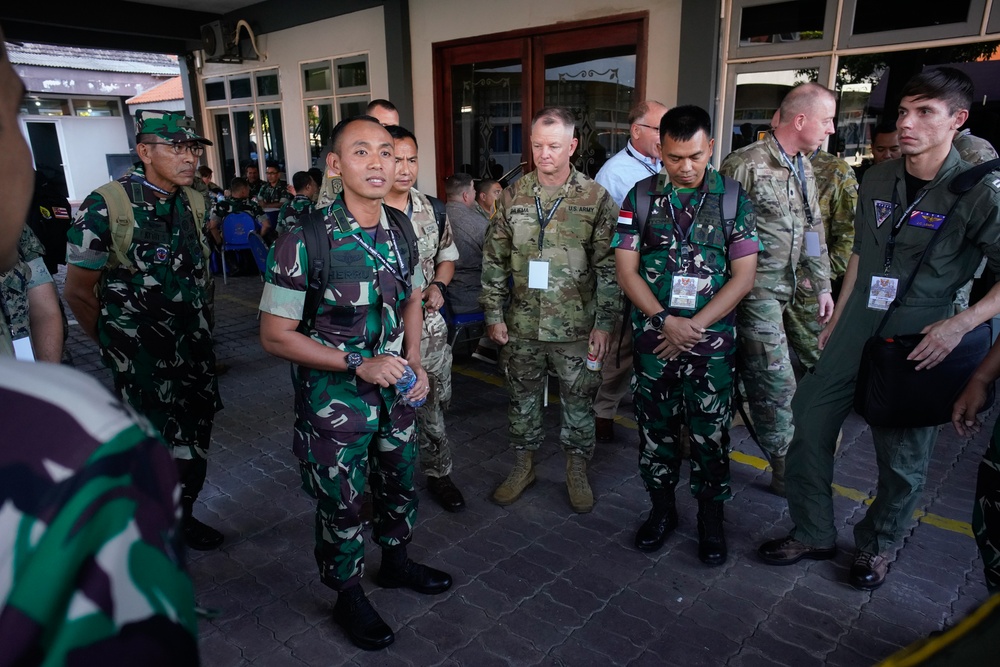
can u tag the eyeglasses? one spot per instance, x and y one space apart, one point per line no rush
652 127
196 150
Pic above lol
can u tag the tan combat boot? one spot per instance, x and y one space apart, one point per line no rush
778 475
519 479
581 498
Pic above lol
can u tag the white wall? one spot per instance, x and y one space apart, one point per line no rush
85 144
355 33
442 20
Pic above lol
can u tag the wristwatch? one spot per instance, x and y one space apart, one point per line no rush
354 359
658 319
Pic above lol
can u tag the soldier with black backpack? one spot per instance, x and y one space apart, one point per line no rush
341 301
685 253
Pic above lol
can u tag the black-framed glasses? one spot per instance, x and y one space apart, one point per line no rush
196 150
652 127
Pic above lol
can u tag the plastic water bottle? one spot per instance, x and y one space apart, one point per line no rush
405 384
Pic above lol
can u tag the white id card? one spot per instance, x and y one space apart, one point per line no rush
684 292
882 292
22 349
538 274
812 244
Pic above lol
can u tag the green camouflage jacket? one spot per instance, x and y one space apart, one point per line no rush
782 221
29 272
582 292
291 211
838 201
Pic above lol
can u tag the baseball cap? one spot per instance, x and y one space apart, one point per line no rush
168 125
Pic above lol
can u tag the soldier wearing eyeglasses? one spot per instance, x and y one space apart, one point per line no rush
146 303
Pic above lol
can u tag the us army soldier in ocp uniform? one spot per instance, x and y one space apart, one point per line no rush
552 237
152 320
779 178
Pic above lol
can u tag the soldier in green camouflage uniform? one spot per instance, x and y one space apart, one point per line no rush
838 198
99 580
152 319
347 357
437 261
29 284
779 178
685 343
301 205
238 201
549 294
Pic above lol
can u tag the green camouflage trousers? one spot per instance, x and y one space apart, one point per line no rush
986 514
387 460
802 328
766 371
526 365
694 391
435 355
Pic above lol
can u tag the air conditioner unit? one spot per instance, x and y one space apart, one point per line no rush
218 41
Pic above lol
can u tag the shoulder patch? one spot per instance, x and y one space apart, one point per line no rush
994 182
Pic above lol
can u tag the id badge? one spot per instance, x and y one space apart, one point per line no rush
812 244
882 292
538 274
684 292
22 349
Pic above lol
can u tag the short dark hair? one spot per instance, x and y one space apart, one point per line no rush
238 182
456 184
251 165
948 84
337 133
205 171
399 133
300 180
683 122
885 127
483 185
317 175
385 104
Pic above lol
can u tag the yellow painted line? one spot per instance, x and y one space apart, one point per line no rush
944 523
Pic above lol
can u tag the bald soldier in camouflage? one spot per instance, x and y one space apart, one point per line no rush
684 272
838 198
347 357
777 174
438 254
151 319
549 293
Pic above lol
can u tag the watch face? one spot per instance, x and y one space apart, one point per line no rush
354 360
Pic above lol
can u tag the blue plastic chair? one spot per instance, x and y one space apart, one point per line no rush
236 229
258 246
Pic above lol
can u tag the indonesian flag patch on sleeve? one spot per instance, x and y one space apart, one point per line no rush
625 218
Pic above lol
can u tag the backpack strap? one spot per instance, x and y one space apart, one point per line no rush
439 213
643 204
317 243
121 221
411 262
730 204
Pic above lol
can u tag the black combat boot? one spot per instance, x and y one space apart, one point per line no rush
711 538
661 522
197 535
398 571
359 619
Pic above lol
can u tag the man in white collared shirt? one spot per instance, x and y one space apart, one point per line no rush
638 160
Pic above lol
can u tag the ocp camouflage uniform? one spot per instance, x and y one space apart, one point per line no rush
974 150
782 222
154 325
29 272
838 199
435 353
329 189
342 423
292 212
694 389
90 540
549 329
986 511
274 194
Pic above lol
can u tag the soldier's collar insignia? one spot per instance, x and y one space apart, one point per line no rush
883 209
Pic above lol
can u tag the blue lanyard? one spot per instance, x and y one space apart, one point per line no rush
685 245
890 243
543 220
399 273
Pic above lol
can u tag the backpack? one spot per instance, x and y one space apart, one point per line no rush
121 220
317 243
439 213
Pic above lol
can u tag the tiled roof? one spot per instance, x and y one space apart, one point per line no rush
47 55
169 90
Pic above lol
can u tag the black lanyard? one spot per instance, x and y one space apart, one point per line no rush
641 161
683 243
543 220
799 170
890 243
396 273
